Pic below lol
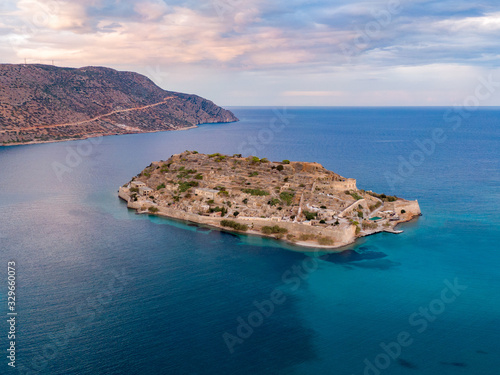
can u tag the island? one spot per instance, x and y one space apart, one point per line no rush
299 202
44 103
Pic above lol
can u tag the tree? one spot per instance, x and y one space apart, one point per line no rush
280 167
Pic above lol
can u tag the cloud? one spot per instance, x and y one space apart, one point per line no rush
151 10
294 38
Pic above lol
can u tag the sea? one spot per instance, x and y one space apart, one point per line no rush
102 290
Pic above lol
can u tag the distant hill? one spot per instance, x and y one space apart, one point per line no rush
44 103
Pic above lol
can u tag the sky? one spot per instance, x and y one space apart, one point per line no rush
273 52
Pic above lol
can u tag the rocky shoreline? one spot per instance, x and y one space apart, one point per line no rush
296 202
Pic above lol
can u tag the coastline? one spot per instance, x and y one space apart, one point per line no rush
88 136
214 222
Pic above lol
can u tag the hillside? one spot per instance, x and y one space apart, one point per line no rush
42 103
300 202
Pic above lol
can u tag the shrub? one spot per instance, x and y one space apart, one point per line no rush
210 201
235 213
370 225
234 225
257 192
161 186
252 174
287 197
337 222
358 229
275 229
222 210
245 201
322 222
310 215
403 211
375 206
286 161
264 160
360 214
199 176
134 190
280 168
253 159
325 241
323 207
274 202
306 237
153 209
355 195
186 185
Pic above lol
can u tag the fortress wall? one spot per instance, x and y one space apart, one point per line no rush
348 184
339 234
411 207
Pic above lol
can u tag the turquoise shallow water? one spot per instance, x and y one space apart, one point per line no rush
147 295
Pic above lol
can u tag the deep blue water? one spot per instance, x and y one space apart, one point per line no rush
104 291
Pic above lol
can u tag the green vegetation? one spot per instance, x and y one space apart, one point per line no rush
222 210
253 159
252 174
403 211
264 160
161 186
235 213
354 195
186 185
165 168
153 209
234 225
310 215
325 241
360 214
134 190
275 229
185 173
199 176
210 201
287 197
385 198
245 201
280 168
322 221
257 192
286 161
358 229
375 206
274 202
306 237
370 225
